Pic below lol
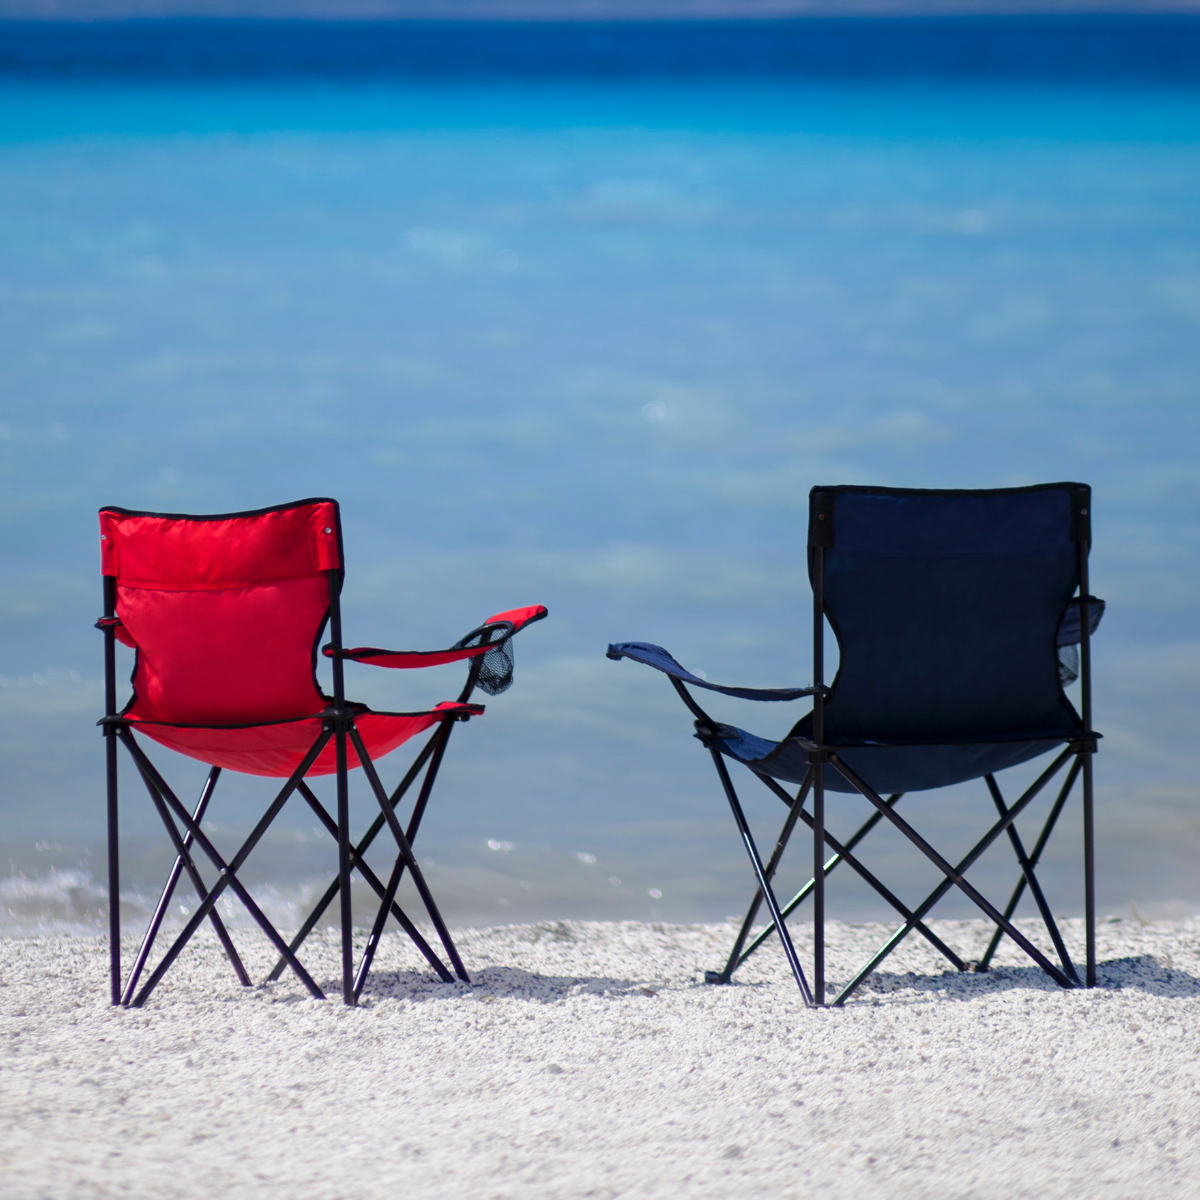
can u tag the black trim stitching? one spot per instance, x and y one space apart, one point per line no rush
249 512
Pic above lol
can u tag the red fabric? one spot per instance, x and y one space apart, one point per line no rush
145 550
277 750
224 612
407 659
520 617
229 656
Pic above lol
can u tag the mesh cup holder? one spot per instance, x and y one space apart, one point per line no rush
496 669
1068 664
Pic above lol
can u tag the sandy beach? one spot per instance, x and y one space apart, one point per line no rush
589 1060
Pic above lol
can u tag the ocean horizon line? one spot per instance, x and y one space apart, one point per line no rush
1159 47
567 11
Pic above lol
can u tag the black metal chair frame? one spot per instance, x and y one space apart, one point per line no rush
184 829
822 756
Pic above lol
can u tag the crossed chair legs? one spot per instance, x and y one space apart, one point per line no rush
185 831
1065 974
351 858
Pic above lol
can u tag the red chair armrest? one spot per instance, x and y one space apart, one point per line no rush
520 617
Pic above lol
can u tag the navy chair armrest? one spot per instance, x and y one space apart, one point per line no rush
660 660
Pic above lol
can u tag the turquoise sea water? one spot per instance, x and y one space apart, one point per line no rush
589 344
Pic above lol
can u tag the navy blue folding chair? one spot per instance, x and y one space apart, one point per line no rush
959 618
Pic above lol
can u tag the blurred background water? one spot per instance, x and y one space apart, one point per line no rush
585 335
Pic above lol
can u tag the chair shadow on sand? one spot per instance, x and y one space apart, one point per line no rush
499 983
1144 973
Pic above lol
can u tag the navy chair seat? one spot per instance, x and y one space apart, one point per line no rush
915 767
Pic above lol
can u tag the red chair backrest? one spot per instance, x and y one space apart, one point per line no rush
225 612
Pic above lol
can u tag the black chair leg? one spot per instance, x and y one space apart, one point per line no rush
364 844
389 898
1089 866
763 883
735 955
1034 858
160 911
183 852
368 956
346 907
954 874
359 864
843 854
1034 887
114 868
964 864
227 871
406 852
818 875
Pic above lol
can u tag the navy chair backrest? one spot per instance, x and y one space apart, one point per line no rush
946 606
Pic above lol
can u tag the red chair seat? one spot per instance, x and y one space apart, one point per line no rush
277 749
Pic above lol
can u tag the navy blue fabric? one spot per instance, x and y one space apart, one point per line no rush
885 768
749 748
1069 627
947 607
660 660
903 523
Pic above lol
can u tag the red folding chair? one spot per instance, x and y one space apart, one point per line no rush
225 614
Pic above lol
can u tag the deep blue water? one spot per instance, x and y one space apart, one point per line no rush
588 342
1105 47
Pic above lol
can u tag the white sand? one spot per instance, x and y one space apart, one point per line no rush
557 1075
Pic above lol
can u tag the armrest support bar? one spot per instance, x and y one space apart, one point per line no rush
404 659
